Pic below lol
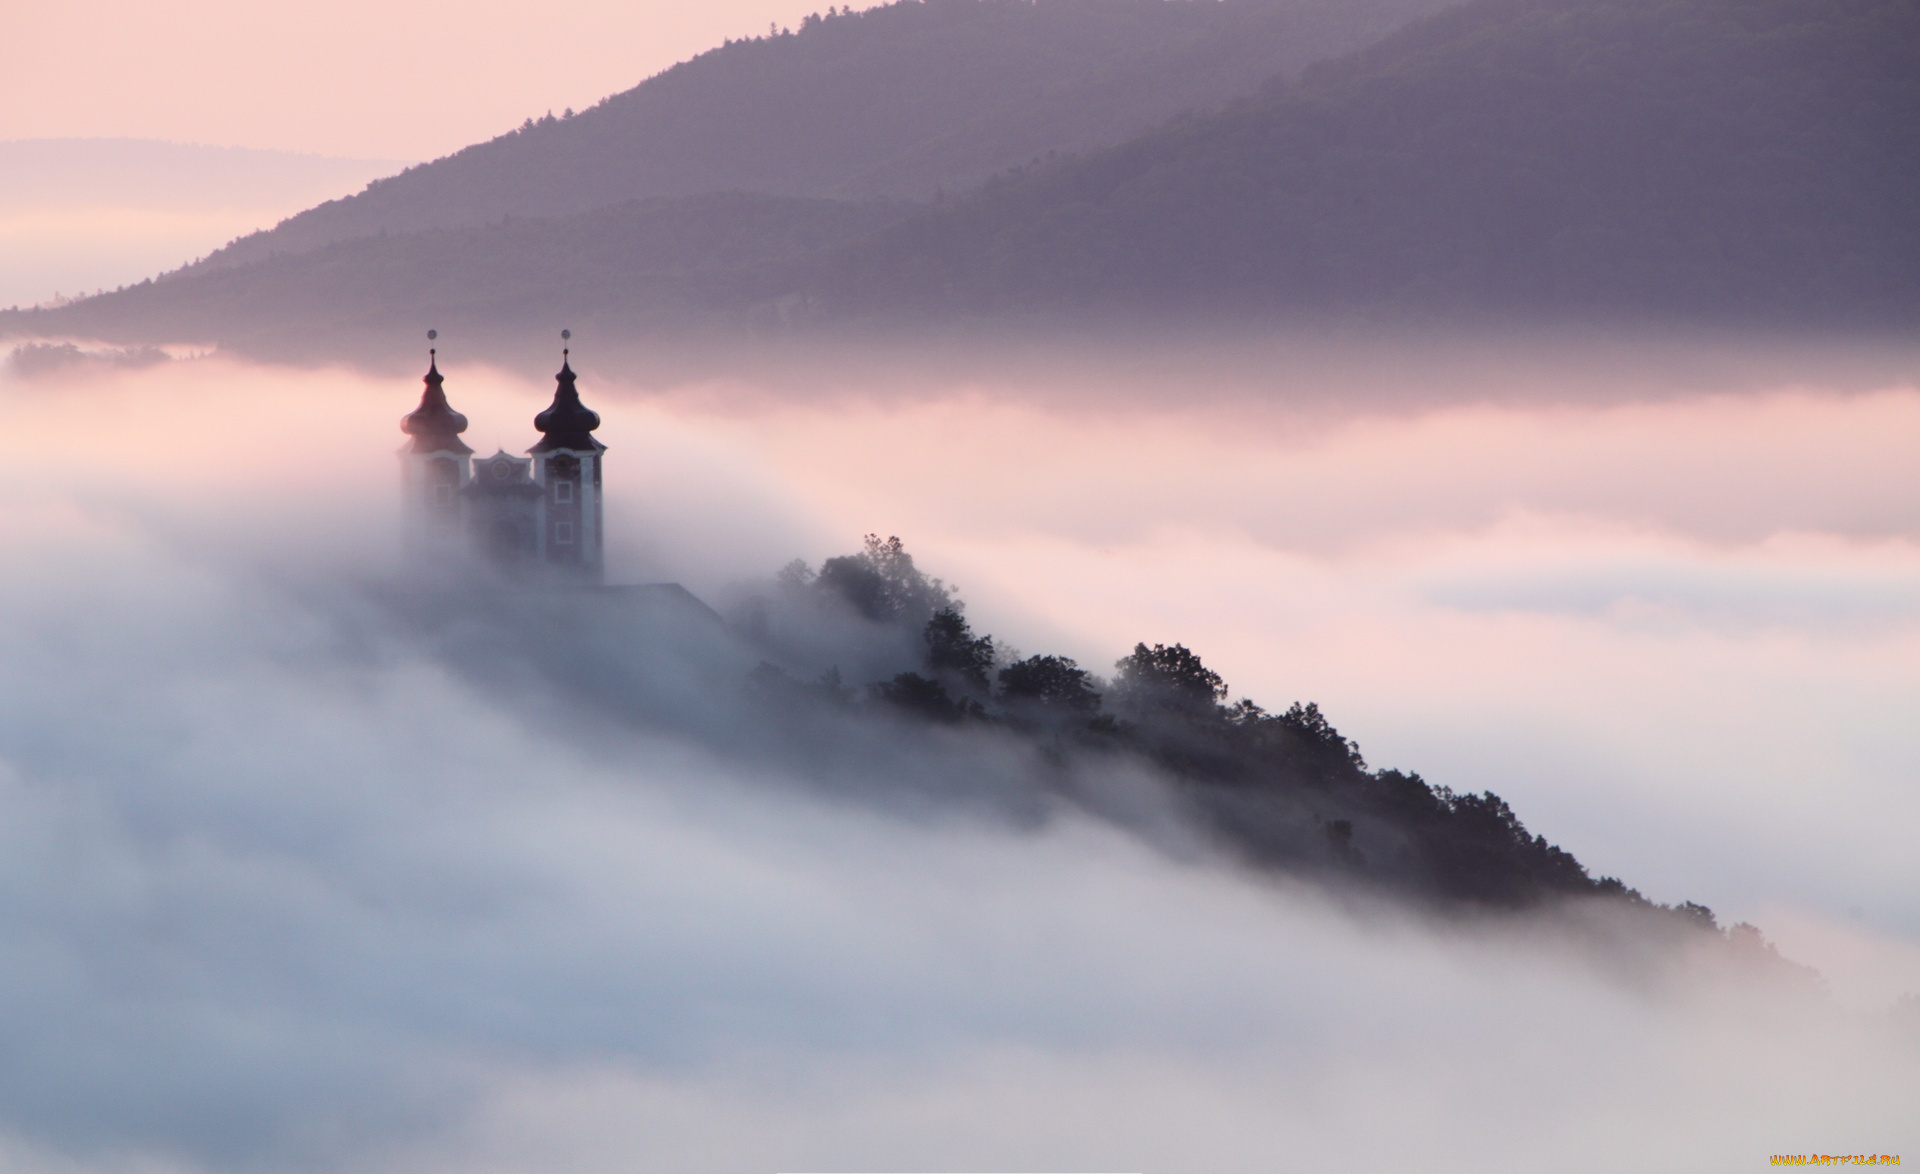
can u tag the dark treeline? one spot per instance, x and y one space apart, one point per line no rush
863 682
1285 790
42 358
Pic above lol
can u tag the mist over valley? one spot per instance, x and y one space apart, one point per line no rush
557 877
1102 584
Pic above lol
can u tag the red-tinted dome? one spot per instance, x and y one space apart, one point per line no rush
434 425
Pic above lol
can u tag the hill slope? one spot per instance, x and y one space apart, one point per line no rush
640 264
897 101
1734 161
1707 157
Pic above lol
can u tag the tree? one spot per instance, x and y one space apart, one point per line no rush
883 585
955 655
1300 742
794 575
923 698
1049 684
1168 678
1698 914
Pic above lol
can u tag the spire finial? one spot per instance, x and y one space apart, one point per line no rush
434 425
567 423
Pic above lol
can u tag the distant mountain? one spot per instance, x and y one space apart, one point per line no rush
1694 161
632 266
901 101
1710 158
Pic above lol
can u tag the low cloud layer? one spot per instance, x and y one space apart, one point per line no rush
285 886
1680 628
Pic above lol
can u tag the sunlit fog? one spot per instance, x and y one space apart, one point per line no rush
294 887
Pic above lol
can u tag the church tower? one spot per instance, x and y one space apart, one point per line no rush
434 467
566 465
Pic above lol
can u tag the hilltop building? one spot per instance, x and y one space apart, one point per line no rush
537 515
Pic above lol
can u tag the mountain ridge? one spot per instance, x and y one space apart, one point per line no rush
1709 162
904 100
1401 177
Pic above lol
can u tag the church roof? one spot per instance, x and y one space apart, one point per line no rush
502 475
567 423
434 425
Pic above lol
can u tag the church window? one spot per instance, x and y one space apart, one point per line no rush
563 492
563 533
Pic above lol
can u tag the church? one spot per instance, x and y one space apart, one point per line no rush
537 516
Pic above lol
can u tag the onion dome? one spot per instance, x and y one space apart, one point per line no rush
434 425
567 423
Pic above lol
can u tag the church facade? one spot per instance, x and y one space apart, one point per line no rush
537 516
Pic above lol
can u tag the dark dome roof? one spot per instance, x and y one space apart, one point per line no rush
434 425
567 423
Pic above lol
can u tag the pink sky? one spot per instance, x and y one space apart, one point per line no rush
412 79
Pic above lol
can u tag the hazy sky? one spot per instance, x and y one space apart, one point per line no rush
391 79
373 85
78 215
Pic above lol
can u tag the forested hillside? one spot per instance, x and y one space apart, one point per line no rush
1702 157
904 100
1749 162
646 263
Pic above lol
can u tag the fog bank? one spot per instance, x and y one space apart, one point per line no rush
289 887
